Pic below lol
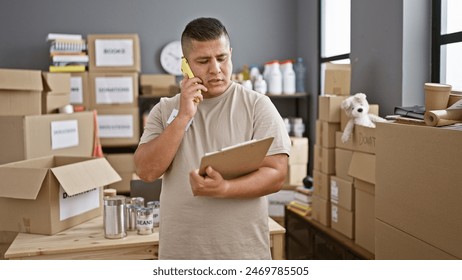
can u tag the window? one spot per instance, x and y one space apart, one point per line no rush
334 34
447 43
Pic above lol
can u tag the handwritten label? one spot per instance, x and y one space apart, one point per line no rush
64 134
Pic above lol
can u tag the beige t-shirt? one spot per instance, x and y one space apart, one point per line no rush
215 228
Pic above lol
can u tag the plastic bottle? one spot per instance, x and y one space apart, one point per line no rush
254 72
260 85
275 78
300 73
288 77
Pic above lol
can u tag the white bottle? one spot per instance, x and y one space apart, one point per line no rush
247 84
274 78
260 85
254 72
288 77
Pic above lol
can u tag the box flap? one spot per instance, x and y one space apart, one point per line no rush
14 79
85 175
21 182
56 83
362 166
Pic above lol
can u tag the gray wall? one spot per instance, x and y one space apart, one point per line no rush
390 51
260 30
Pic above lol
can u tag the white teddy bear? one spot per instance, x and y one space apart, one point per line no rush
356 108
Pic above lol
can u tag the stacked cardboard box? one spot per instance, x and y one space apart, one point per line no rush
327 125
113 86
418 192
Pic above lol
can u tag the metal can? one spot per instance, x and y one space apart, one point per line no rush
114 217
130 215
144 221
155 205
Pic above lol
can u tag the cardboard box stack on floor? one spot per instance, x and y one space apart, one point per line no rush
113 80
336 88
327 125
418 192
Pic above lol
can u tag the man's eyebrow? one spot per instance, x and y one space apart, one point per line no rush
208 57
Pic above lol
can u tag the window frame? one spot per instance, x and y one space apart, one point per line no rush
439 40
321 59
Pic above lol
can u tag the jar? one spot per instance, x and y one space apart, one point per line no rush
144 220
114 217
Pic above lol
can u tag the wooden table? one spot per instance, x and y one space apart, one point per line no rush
86 242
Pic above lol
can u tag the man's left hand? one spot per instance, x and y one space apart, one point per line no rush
212 184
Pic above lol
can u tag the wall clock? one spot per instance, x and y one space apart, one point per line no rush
170 58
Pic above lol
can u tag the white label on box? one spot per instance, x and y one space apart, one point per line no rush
114 52
73 205
64 134
334 213
76 90
333 191
115 126
114 90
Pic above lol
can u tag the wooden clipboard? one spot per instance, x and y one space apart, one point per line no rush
238 160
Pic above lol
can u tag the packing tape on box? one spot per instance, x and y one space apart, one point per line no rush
442 117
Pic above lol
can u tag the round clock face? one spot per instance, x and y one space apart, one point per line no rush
170 58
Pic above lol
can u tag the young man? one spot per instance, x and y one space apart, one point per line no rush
209 217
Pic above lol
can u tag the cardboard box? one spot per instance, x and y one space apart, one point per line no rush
26 137
321 210
321 184
50 194
298 150
337 79
158 85
124 165
109 90
419 178
365 215
324 159
328 131
362 167
318 133
277 202
342 193
329 108
80 92
363 139
373 109
20 92
342 220
119 127
295 174
342 164
394 244
56 91
114 53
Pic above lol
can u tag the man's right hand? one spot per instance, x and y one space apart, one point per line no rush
190 92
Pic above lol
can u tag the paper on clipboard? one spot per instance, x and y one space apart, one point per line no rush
237 160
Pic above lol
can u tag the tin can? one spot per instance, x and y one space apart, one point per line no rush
155 205
144 221
130 216
114 217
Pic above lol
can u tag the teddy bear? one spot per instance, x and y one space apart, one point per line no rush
356 108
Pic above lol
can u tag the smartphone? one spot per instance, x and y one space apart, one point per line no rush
187 70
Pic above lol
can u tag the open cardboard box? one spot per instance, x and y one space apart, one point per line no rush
49 194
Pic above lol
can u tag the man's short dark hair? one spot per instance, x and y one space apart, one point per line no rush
203 29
